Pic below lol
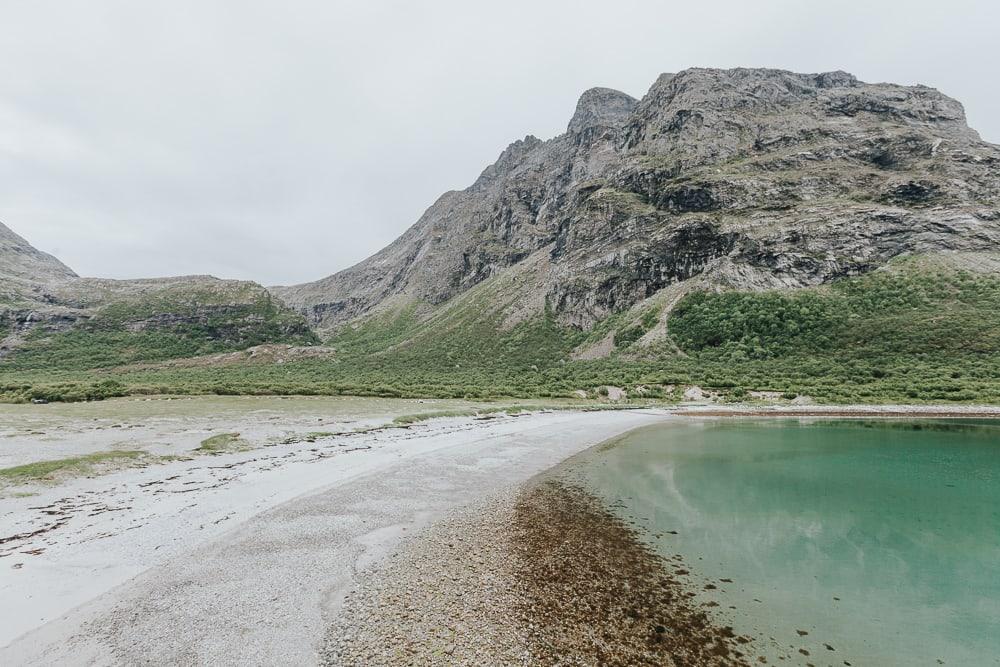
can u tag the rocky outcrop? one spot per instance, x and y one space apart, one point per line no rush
19 261
747 178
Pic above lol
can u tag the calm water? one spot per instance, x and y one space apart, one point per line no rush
881 539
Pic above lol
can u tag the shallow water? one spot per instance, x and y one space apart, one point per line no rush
879 539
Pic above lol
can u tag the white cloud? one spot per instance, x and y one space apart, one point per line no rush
283 141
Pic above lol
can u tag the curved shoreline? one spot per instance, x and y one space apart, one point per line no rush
540 575
263 590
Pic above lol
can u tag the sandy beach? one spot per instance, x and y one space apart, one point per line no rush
246 557
243 558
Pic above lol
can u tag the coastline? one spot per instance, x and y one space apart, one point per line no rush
244 558
305 520
539 575
888 410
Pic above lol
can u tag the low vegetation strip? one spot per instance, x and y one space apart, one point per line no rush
914 334
77 465
221 442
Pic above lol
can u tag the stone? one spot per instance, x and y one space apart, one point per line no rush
731 178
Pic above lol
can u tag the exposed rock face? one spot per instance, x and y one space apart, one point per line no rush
24 269
747 178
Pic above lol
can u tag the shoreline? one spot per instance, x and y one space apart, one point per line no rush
244 557
888 410
170 547
540 574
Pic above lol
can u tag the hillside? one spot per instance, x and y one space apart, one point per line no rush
737 179
52 321
805 235
22 263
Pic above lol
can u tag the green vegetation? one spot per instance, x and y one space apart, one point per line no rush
404 420
78 465
916 333
627 336
222 442
157 328
70 391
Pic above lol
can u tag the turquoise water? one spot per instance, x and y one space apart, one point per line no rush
879 539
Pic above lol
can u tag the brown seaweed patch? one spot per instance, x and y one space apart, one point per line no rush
597 595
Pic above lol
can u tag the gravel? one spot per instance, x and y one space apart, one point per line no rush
540 575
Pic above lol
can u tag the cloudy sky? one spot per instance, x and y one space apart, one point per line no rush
282 141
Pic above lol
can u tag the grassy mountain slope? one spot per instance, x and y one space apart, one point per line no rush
115 323
742 229
923 329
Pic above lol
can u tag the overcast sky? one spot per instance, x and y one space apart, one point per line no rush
282 141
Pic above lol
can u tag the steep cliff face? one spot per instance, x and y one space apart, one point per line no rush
744 178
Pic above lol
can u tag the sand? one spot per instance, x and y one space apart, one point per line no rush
243 558
246 557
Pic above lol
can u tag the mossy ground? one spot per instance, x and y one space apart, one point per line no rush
221 442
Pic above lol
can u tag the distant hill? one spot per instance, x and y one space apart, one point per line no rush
52 319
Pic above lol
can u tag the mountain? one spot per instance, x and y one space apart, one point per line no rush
55 320
744 232
738 179
25 270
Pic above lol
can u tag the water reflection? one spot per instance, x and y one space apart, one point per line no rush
878 538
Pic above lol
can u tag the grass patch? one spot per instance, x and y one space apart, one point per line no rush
404 420
317 435
221 442
77 465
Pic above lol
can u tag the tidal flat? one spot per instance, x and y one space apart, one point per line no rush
263 530
242 556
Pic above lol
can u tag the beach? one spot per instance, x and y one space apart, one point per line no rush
337 536
244 557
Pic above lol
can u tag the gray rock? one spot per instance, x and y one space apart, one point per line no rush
743 178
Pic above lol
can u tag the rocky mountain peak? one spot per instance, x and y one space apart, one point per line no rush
838 79
19 260
509 159
747 178
601 108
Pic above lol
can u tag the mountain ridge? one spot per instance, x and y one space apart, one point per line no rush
47 309
746 178
792 234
